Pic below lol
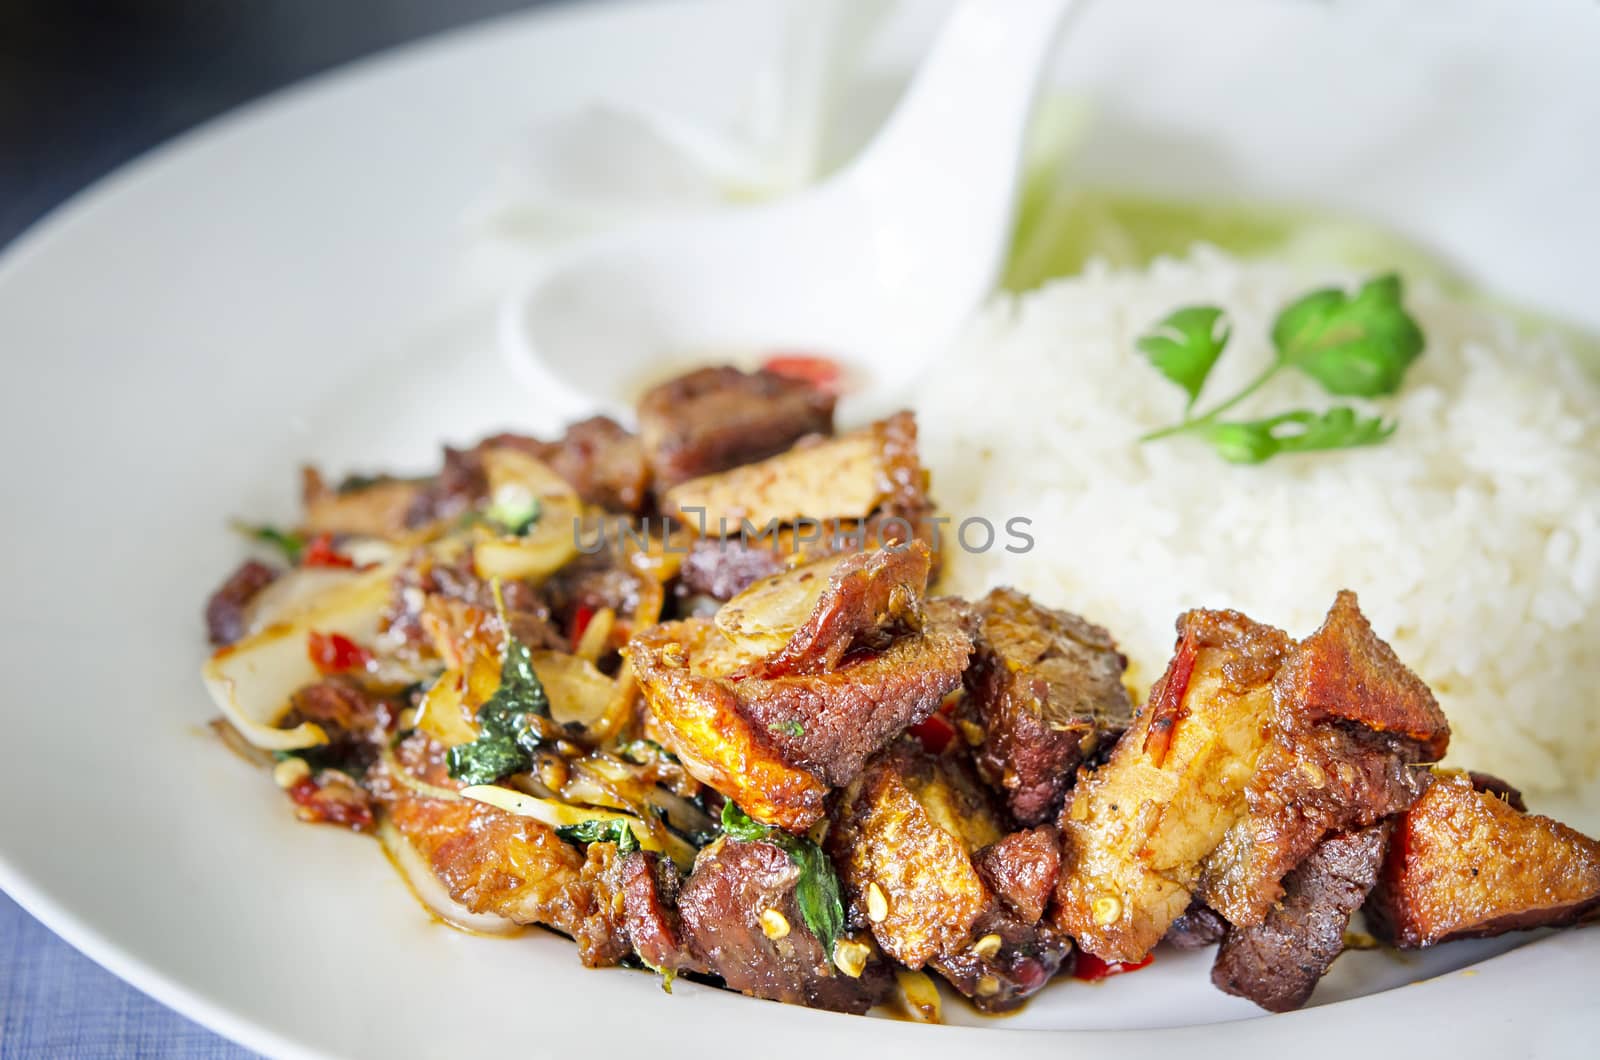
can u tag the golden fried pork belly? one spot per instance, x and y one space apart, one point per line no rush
913 837
797 681
488 860
847 477
1466 863
1251 750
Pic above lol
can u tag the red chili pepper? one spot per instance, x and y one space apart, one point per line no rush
580 622
821 372
321 553
935 732
335 653
1091 969
308 796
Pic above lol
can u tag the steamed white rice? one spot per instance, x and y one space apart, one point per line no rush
1472 536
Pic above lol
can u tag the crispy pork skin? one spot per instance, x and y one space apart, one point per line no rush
908 837
849 477
717 418
742 920
1047 689
1136 832
1278 962
1251 751
774 714
1352 724
489 861
1467 863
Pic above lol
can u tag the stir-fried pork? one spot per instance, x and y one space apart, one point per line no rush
1047 689
910 838
1278 962
717 418
1467 863
774 727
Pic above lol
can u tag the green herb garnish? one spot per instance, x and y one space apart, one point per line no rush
509 735
602 830
817 890
289 542
1353 345
513 513
787 728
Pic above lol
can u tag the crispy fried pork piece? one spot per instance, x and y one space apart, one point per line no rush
598 457
374 508
1251 751
906 838
776 744
1495 786
1277 963
228 610
1345 672
1134 833
722 568
431 594
1046 687
634 910
488 860
355 719
1352 723
1466 863
1022 870
1310 781
848 477
869 598
716 418
1197 928
741 919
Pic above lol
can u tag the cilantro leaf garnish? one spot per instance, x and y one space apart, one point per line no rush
1185 345
1252 441
1353 345
816 892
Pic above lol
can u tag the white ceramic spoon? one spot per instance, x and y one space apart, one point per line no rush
876 267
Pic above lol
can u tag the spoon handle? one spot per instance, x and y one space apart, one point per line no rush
964 116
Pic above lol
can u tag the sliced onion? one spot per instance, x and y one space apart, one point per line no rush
766 615
547 547
579 693
427 889
442 716
560 815
293 593
253 680
413 783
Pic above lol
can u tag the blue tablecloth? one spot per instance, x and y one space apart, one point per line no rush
55 1002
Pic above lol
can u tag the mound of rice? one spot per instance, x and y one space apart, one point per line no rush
1472 535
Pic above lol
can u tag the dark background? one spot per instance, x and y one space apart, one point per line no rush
86 85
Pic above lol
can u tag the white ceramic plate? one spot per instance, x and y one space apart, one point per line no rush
295 282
